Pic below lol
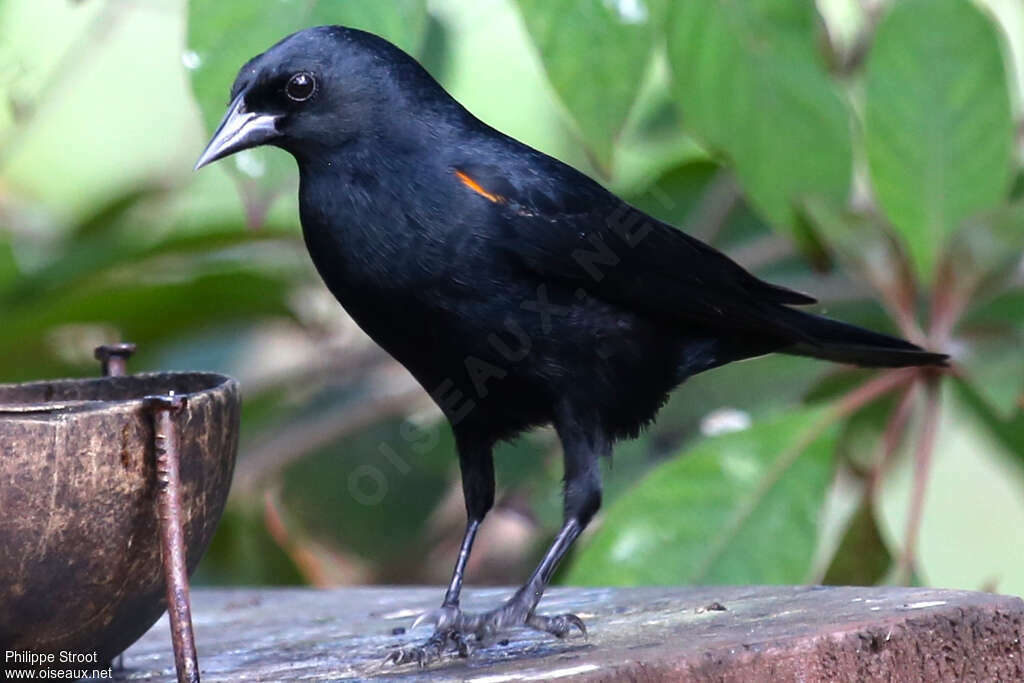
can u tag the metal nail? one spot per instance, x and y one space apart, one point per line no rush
172 537
114 358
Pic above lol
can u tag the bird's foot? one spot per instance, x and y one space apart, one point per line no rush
453 629
440 643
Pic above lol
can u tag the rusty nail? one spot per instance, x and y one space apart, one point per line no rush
172 536
114 358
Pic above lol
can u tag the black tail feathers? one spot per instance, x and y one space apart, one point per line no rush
845 343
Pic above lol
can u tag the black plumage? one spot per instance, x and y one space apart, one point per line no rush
518 291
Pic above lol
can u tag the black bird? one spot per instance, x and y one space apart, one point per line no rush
518 291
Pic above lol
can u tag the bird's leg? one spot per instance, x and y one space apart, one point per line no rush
451 596
477 465
582 449
519 609
454 627
583 444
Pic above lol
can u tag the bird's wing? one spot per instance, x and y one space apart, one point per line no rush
564 227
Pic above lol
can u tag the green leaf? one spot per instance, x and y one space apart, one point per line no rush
90 258
677 192
111 213
701 198
374 500
862 245
986 250
993 363
403 22
862 558
595 53
9 271
222 36
750 82
938 124
739 508
861 435
1005 308
1008 431
152 303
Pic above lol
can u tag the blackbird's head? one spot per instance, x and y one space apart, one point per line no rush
316 90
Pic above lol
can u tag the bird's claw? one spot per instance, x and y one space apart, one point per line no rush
559 626
442 641
442 618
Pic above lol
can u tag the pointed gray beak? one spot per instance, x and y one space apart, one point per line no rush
240 129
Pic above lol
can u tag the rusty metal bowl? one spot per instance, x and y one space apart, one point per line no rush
80 553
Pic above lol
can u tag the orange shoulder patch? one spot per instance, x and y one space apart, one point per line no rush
476 187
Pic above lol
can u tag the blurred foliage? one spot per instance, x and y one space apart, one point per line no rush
862 151
752 499
749 81
596 55
938 126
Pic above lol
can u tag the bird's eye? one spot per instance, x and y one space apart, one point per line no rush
300 87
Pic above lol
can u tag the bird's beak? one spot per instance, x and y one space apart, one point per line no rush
239 129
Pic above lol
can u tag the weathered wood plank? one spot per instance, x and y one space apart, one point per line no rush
646 634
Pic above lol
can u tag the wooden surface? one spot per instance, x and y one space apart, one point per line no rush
646 634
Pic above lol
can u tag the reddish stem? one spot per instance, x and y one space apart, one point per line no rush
891 439
903 301
898 291
307 565
922 468
950 299
942 300
873 389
